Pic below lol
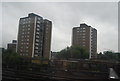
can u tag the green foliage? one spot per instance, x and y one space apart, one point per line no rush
11 58
109 55
73 52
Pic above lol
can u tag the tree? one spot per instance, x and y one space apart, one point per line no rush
73 52
11 58
109 55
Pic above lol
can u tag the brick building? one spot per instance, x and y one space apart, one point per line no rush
34 36
85 36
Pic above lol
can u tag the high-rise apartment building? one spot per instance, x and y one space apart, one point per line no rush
85 36
34 36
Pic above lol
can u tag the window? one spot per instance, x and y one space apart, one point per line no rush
36 51
83 36
83 45
38 29
83 39
28 28
37 36
37 32
46 31
77 28
26 50
84 42
38 25
83 33
83 30
28 21
21 50
47 25
46 28
38 21
36 44
22 36
27 35
41 41
23 22
27 39
40 44
23 19
36 55
78 31
39 18
36 47
37 40
29 18
29 25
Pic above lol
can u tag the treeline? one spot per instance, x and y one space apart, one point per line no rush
12 59
81 53
73 53
109 55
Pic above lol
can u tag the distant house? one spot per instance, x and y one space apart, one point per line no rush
12 46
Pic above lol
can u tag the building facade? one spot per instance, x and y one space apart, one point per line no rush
85 36
47 38
12 46
34 36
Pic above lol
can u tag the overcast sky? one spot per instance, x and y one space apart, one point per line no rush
65 15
